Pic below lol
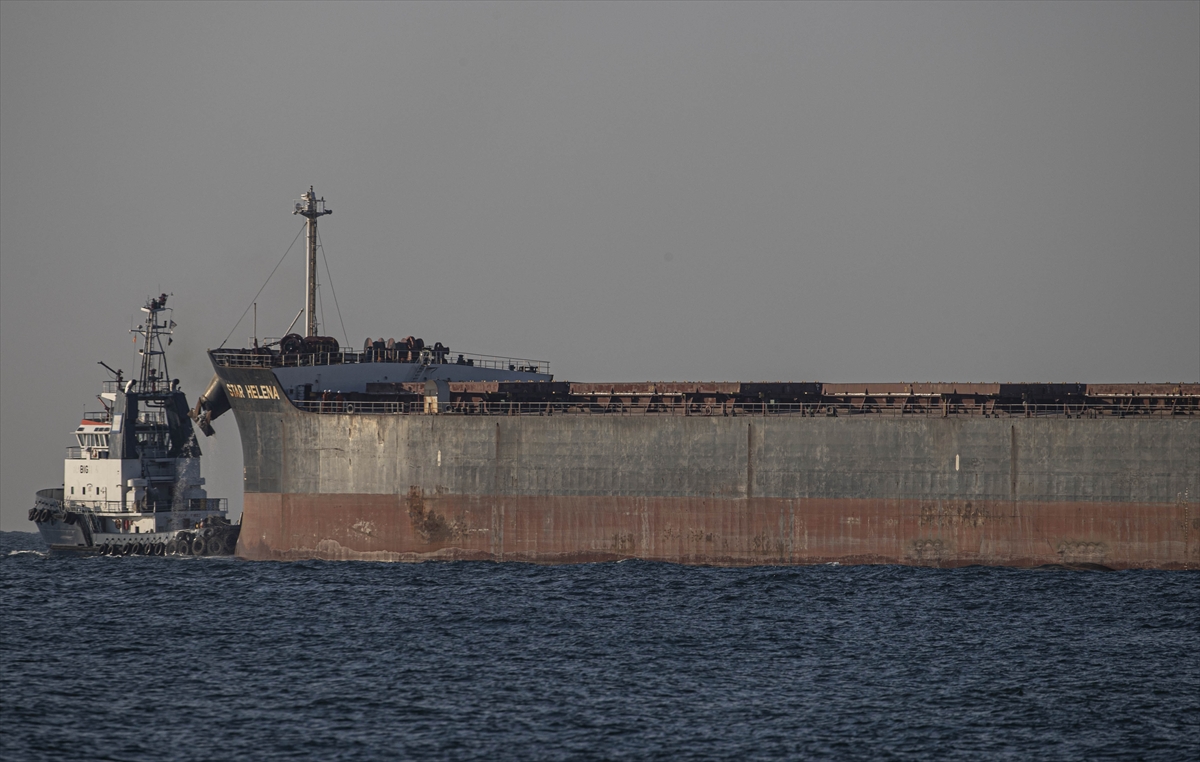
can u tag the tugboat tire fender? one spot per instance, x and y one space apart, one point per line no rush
199 546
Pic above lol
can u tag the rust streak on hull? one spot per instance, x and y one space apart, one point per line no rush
419 526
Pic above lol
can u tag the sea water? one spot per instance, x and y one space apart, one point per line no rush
197 659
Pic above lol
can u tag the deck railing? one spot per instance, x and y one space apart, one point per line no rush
195 505
734 409
241 359
80 453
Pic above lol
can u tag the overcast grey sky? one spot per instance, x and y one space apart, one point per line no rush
676 191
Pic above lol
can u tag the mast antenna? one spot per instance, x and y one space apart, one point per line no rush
311 207
154 376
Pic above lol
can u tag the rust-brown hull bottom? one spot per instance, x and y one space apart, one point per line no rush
716 531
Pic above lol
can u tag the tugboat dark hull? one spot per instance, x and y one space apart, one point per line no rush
67 531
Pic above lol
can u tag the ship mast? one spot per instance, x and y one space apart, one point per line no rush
154 375
311 207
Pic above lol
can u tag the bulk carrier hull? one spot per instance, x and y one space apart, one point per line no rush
399 452
845 475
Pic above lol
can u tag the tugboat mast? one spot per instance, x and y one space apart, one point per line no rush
311 207
154 376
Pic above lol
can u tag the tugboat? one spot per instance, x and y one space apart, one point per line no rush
132 485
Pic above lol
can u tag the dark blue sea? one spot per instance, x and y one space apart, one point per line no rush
210 659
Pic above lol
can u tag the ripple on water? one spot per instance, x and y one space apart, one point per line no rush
188 659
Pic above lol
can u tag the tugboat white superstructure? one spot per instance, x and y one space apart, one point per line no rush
132 484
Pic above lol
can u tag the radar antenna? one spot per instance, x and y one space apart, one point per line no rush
311 207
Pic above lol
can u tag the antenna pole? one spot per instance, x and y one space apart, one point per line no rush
289 328
311 207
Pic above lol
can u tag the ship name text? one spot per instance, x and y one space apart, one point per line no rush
252 391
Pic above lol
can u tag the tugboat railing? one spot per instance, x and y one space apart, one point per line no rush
192 505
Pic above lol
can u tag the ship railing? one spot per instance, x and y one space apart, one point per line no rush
496 362
733 409
236 359
111 387
352 407
87 453
191 505
49 498
99 506
98 416
198 504
152 416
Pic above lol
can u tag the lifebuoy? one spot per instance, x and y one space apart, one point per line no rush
349 407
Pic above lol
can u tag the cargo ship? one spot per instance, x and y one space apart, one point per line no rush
132 483
405 452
